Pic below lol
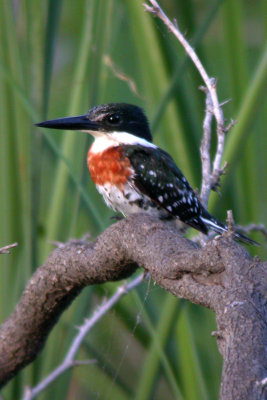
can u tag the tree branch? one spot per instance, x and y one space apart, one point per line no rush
5 249
69 360
205 150
221 276
210 179
253 228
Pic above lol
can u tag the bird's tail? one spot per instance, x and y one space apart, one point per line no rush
217 226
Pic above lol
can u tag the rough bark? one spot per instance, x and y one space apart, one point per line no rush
222 276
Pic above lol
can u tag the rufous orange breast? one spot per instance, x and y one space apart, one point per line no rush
109 166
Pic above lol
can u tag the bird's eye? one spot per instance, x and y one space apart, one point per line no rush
114 119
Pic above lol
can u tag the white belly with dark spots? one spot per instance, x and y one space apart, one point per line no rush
129 201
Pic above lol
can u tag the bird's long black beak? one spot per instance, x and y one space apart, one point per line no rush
80 123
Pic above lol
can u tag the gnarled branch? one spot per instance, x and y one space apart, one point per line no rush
221 276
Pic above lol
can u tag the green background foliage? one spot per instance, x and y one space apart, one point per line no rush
58 58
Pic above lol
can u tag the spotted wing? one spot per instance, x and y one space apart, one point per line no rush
158 177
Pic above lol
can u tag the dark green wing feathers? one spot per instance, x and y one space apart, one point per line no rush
158 177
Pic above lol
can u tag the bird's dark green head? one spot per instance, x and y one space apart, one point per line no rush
106 118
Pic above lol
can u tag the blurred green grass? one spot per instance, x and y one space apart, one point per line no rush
60 58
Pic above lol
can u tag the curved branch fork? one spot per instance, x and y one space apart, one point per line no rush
221 276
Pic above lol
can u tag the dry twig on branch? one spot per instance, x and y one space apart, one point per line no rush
210 178
70 361
253 228
6 249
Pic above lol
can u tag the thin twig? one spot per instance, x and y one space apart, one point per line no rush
69 361
118 74
56 243
230 125
5 249
225 102
205 150
211 181
253 227
230 222
157 11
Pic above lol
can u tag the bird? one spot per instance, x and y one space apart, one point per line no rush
133 174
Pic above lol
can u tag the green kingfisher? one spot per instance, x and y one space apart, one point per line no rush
133 174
